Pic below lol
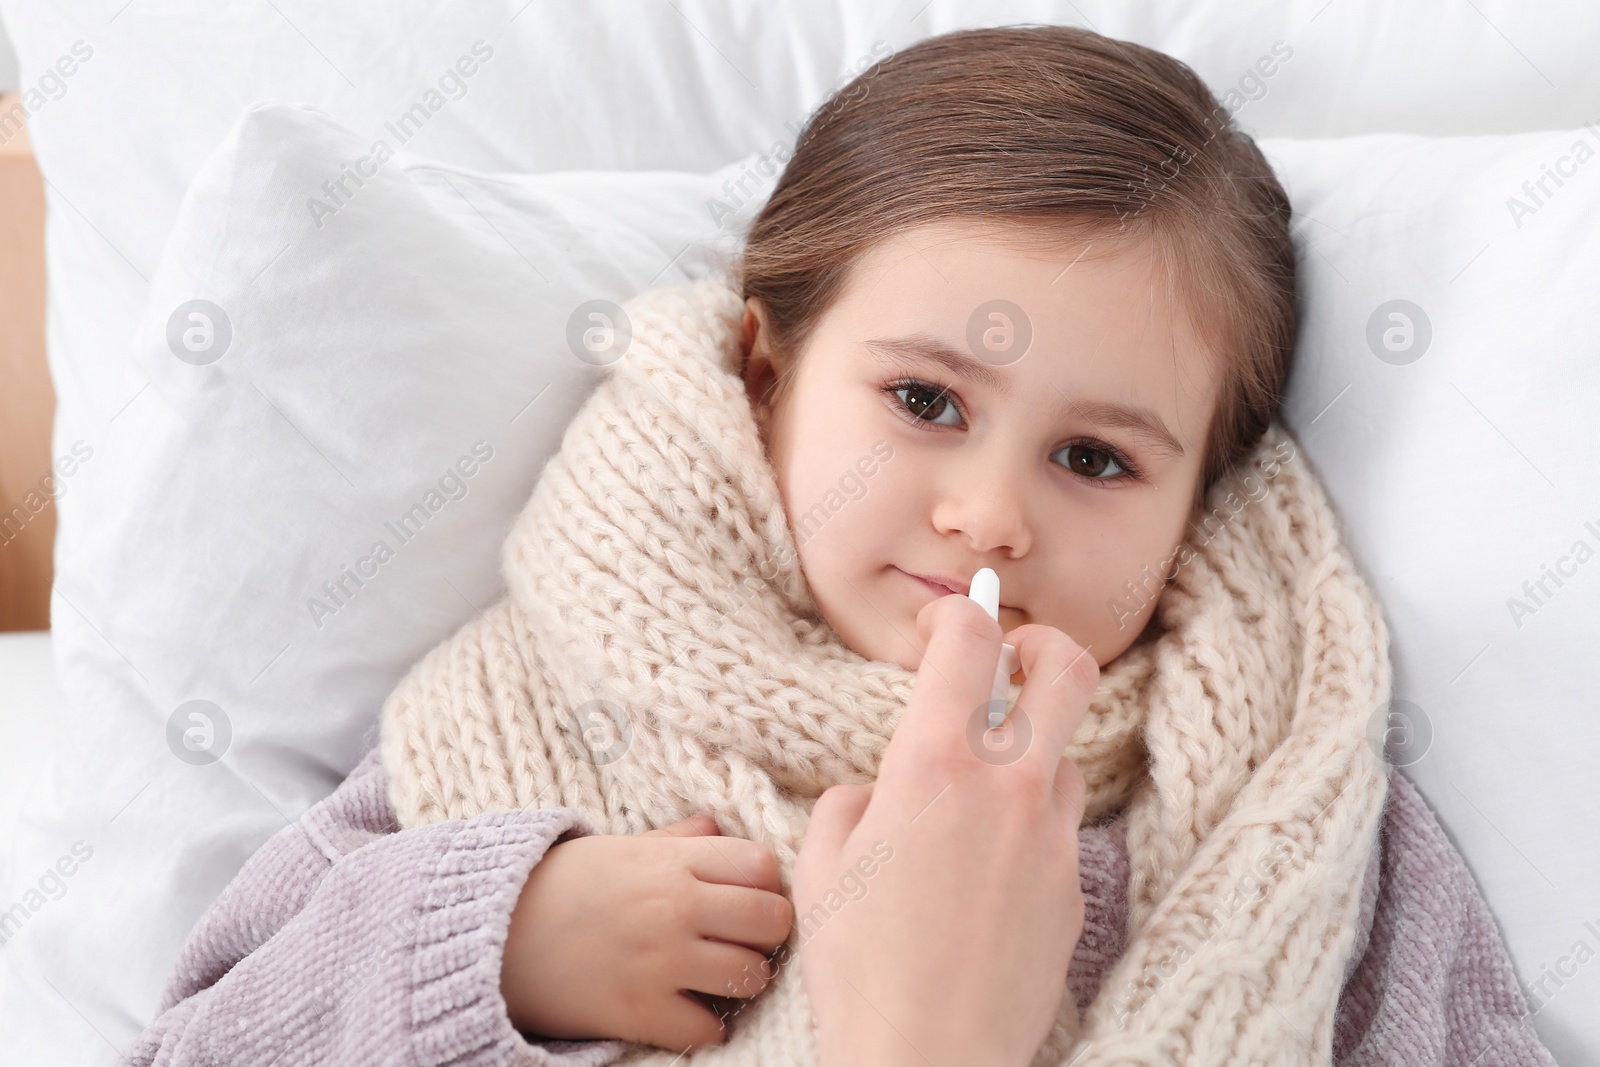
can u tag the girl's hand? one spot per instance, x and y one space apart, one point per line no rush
956 950
610 928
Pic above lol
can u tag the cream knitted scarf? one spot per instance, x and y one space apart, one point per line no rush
658 655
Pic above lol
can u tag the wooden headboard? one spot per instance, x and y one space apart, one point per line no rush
27 400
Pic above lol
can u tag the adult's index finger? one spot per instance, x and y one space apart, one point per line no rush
956 675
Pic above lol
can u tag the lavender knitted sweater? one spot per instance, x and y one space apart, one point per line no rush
345 940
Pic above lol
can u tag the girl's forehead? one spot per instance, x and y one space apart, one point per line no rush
1043 240
1020 321
1001 297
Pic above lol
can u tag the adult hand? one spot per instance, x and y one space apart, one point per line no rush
939 907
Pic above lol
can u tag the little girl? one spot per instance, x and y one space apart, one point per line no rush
1021 299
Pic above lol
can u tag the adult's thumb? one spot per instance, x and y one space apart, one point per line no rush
701 825
835 815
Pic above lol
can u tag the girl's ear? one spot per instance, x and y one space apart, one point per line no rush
759 373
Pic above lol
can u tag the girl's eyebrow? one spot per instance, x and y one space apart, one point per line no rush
1136 420
922 346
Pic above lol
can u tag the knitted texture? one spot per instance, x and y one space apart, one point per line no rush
658 654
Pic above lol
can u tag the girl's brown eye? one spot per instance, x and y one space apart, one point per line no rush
924 403
1091 462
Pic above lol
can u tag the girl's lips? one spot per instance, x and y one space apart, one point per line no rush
940 589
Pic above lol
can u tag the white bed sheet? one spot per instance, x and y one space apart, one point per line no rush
29 699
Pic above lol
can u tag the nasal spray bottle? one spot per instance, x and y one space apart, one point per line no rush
985 589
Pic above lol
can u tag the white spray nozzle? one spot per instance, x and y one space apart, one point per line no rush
985 589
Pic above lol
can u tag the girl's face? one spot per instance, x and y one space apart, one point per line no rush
920 437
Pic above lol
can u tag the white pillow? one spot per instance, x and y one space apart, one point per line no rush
688 85
344 412
1445 388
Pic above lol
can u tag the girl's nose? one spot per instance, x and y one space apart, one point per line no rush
988 508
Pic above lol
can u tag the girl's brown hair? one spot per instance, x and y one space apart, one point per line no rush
1091 137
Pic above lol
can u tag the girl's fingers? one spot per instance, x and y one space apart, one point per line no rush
723 970
740 915
684 1023
702 825
735 861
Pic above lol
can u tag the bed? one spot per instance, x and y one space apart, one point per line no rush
27 672
249 387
